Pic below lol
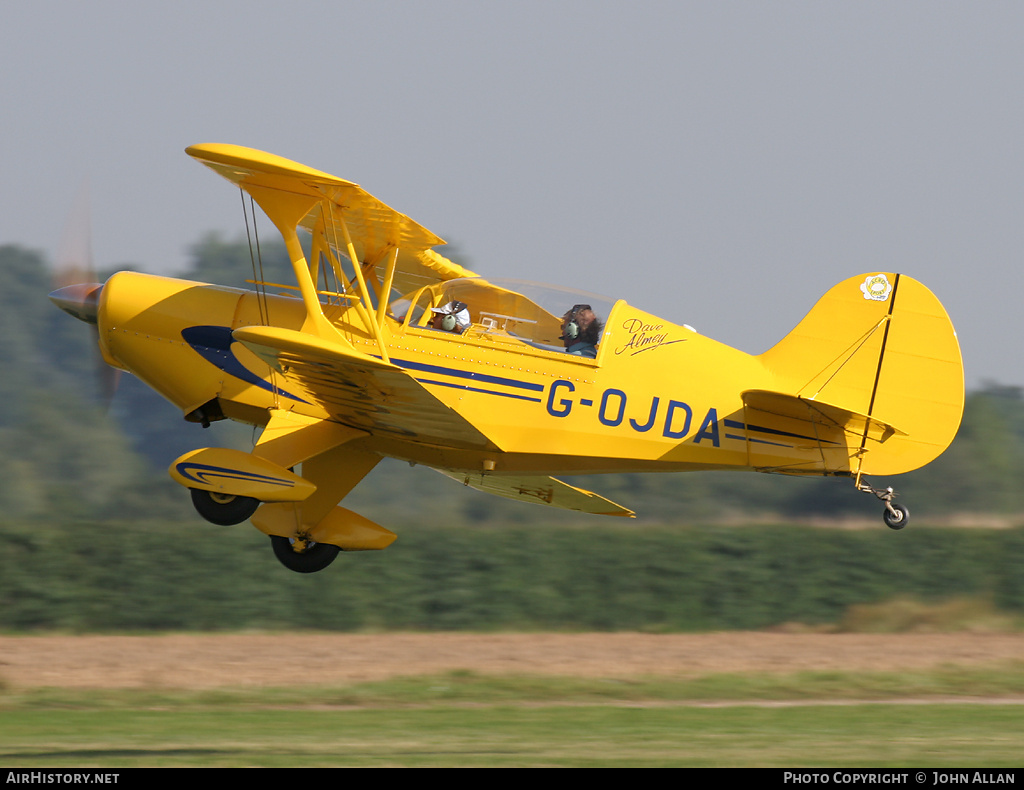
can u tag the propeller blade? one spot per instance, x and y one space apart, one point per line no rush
76 291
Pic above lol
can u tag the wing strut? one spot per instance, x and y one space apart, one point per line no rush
361 300
385 290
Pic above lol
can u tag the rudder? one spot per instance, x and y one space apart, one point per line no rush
880 345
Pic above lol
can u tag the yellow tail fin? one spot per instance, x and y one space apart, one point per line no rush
881 347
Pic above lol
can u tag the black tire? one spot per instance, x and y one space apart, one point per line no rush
315 557
897 520
223 509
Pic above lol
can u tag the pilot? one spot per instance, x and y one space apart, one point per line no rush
580 331
452 317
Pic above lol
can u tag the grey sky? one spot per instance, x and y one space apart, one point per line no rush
720 164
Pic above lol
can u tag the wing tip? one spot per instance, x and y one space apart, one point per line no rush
253 160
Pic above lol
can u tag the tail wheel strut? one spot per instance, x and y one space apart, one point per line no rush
895 516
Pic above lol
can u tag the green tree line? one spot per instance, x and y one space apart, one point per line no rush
151 576
65 454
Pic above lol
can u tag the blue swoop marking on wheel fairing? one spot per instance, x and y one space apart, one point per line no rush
201 473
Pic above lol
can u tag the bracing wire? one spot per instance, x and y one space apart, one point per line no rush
259 257
339 282
254 257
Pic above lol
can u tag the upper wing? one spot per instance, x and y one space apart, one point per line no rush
359 390
374 228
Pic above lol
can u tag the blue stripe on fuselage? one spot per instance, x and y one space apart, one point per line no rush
483 378
213 343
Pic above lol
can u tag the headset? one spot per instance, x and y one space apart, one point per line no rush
571 330
450 321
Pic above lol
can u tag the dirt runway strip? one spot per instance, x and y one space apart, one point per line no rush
197 661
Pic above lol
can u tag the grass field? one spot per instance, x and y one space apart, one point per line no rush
942 717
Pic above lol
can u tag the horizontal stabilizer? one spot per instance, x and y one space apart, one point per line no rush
540 490
815 411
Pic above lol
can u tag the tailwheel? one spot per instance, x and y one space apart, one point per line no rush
895 516
223 509
303 556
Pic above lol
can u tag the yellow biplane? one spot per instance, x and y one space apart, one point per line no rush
384 348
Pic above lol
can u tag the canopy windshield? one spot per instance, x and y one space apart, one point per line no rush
529 311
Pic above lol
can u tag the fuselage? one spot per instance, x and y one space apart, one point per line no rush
658 396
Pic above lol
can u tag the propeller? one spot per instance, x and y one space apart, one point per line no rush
76 290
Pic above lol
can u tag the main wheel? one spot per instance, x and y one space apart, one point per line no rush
307 558
223 509
897 519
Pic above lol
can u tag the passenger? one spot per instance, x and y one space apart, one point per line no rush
453 317
581 330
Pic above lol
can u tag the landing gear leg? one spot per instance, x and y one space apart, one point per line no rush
895 516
